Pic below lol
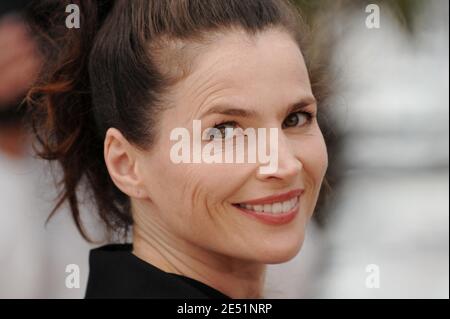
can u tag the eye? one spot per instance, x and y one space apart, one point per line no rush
297 119
222 131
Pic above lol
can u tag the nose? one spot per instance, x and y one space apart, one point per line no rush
289 163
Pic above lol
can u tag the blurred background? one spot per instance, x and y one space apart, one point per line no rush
383 229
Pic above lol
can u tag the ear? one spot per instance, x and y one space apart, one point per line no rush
120 159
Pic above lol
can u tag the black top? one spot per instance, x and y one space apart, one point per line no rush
115 272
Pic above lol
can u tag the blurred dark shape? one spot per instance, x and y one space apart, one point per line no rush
11 114
19 65
12 6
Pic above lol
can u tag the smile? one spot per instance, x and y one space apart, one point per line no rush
276 209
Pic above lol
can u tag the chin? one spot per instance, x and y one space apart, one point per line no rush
281 251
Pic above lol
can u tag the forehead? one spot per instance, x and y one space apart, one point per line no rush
240 68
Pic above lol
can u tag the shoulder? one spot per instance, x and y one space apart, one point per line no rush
115 272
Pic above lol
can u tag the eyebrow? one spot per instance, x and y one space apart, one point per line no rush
226 109
303 103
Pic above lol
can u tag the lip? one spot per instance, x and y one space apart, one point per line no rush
274 198
272 219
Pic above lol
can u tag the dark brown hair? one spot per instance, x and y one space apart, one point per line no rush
110 73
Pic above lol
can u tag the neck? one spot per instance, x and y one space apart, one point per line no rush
233 277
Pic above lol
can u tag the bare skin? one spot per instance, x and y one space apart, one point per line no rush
185 219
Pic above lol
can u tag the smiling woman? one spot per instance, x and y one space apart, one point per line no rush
113 92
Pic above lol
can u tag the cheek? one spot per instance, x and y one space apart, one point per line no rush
314 158
193 192
208 187
196 203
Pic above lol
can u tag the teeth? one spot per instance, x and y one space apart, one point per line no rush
258 208
275 208
294 202
286 206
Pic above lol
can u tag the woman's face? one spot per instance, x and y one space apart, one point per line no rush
199 203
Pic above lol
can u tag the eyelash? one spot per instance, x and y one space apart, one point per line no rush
309 117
